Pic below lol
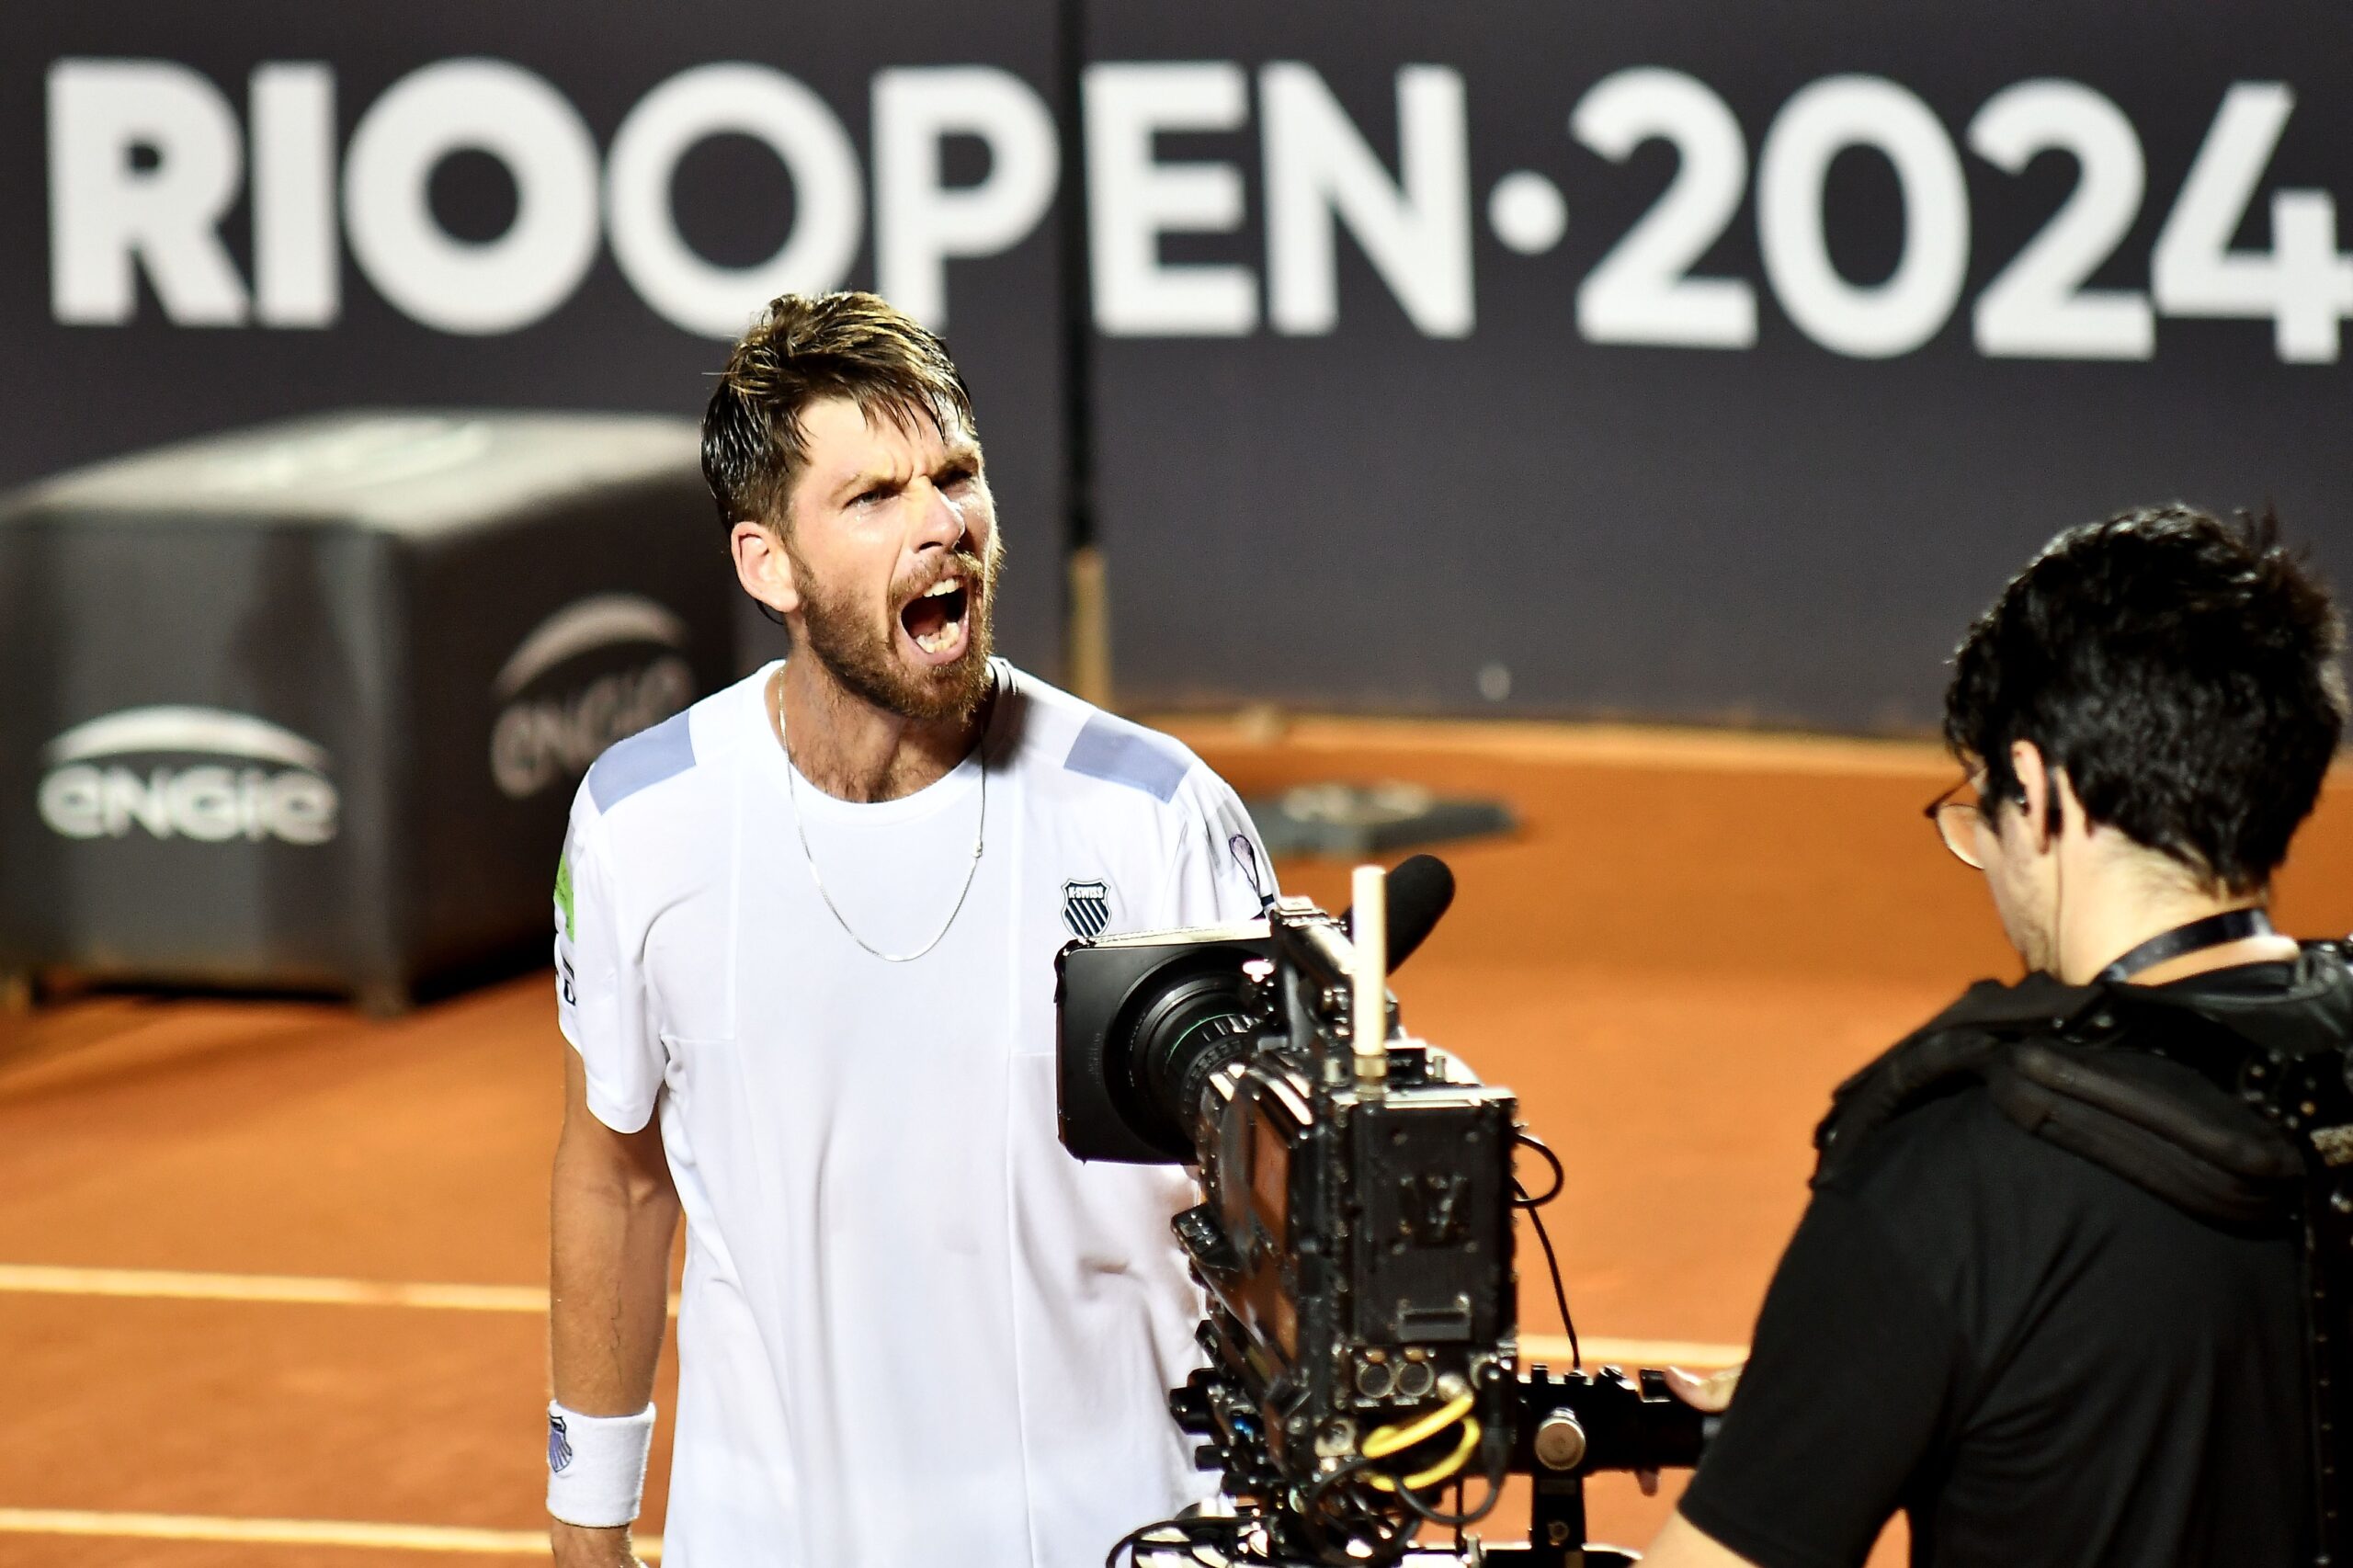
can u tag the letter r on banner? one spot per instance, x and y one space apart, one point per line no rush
106 213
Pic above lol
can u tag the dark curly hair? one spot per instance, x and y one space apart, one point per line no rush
2182 670
801 350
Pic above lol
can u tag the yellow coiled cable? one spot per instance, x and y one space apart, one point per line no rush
1444 1469
1382 1441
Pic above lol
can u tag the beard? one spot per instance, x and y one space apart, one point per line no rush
864 659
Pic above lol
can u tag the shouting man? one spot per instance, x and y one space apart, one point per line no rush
804 934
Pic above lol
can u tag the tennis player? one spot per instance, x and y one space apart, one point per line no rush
804 934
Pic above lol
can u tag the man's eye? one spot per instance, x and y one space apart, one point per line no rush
960 474
867 497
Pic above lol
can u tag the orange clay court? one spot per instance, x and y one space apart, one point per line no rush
272 1277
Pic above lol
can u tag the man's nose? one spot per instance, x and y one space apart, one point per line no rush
937 523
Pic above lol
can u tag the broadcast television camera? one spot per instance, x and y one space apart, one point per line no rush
1355 1244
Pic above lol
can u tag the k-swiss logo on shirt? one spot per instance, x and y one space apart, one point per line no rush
1086 908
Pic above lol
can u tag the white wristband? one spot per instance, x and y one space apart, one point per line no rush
597 1465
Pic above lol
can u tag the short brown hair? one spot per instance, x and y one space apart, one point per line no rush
801 351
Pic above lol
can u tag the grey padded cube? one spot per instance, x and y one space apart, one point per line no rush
303 706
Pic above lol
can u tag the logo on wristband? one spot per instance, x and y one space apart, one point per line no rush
559 1445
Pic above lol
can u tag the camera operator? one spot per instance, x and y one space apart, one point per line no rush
2039 1359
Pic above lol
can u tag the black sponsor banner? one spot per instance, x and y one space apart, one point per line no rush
1689 361
1667 360
260 209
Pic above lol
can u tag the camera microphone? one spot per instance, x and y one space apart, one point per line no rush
1420 889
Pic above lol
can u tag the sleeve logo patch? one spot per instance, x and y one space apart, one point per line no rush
1086 908
564 896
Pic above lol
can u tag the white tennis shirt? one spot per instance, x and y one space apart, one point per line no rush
914 1330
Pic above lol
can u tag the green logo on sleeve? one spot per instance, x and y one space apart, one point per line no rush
564 896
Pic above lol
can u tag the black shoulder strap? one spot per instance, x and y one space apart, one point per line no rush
1955 1048
2161 1126
2225 1125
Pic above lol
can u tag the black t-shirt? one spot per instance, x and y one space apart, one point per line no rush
2040 1362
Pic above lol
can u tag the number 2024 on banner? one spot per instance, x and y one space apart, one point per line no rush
2038 305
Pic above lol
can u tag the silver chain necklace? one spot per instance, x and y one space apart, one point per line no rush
800 830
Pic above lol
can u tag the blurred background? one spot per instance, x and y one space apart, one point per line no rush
1610 414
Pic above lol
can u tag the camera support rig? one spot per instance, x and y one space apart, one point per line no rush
1355 1245
1576 1423
1570 1425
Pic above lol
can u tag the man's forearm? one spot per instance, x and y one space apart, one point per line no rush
609 1278
612 1212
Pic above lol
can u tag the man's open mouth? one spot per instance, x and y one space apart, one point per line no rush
935 619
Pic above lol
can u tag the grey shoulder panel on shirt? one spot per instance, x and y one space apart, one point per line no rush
645 758
1120 753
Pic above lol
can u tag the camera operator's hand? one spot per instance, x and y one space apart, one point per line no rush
1710 1392
577 1546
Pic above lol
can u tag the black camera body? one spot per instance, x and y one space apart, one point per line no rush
1355 1245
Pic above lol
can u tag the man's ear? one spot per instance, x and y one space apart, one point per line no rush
2034 779
2064 807
764 566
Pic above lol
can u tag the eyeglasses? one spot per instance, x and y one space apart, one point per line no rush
1958 825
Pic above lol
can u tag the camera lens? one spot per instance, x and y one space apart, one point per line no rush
1191 1024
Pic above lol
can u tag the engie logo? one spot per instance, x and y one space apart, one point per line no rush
547 736
273 784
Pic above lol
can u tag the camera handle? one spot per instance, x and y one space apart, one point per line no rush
1568 1425
1557 1532
1573 1424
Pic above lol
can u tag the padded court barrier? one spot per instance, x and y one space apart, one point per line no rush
303 706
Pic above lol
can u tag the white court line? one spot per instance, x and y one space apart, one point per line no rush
1542 742
164 1284
1553 1349
168 1284
288 1532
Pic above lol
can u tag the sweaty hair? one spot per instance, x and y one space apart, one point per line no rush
2181 669
802 351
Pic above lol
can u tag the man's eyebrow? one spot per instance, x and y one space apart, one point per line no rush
866 479
965 453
